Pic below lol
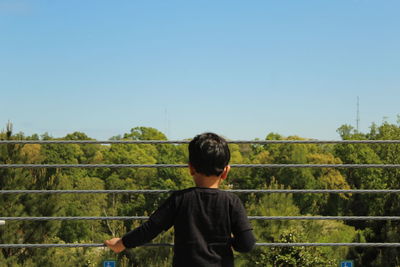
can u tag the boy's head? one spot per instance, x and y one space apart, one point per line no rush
209 154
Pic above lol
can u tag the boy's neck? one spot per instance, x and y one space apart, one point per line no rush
207 181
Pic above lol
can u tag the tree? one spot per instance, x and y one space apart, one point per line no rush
286 231
377 204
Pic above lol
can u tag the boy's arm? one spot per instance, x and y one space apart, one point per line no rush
115 244
243 239
141 235
160 220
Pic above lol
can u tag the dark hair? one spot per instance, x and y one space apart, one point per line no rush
209 154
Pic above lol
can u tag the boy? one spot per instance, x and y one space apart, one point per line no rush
208 222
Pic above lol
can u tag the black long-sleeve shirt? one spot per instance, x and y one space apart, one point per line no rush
205 219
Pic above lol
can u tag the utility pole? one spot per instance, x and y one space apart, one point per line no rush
358 114
167 124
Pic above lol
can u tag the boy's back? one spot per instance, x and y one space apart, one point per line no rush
204 219
208 222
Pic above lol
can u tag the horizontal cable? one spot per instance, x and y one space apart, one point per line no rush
346 218
74 245
356 166
75 218
145 191
171 245
328 244
85 191
187 141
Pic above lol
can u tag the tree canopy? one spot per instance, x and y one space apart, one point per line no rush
14 205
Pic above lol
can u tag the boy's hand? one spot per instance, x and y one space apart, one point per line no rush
115 244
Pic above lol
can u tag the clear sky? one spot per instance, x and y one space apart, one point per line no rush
239 68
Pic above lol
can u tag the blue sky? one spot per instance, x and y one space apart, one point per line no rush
239 68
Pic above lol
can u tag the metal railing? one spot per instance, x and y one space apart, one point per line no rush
3 220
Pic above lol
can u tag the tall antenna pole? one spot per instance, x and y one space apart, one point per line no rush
167 124
358 113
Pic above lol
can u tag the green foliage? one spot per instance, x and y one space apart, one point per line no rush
292 231
292 256
378 205
256 204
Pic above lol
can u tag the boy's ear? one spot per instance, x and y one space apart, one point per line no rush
191 169
224 174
